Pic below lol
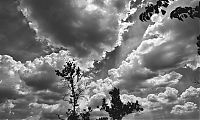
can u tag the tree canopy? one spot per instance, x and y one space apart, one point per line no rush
179 13
118 109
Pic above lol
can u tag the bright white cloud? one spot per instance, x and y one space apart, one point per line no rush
96 100
169 96
184 109
131 73
164 80
191 92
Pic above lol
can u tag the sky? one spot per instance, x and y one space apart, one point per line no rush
154 62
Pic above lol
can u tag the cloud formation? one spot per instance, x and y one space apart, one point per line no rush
31 82
17 39
155 62
81 26
9 78
188 107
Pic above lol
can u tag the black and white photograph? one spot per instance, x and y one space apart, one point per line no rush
99 59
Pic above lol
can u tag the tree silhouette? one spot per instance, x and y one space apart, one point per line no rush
151 9
178 13
184 12
71 78
118 109
86 113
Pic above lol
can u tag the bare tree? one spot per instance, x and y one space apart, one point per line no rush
71 78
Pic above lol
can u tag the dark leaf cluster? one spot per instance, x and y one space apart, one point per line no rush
118 109
151 9
85 115
179 13
184 12
69 72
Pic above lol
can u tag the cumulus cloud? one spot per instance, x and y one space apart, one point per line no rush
191 93
193 62
131 73
171 104
152 98
9 78
40 74
165 46
131 98
7 106
169 96
188 107
101 85
154 56
46 111
32 82
164 80
96 100
85 29
18 109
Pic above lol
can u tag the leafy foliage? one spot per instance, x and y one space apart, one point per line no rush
86 114
178 13
118 109
151 9
184 12
71 78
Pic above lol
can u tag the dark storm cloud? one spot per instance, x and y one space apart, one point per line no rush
180 41
131 39
131 73
119 4
82 31
189 78
16 37
49 98
179 46
162 53
7 93
19 111
40 73
133 36
133 80
44 79
122 4
48 116
111 60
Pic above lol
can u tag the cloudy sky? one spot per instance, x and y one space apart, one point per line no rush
155 62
